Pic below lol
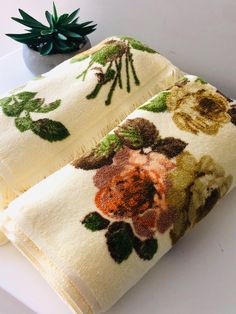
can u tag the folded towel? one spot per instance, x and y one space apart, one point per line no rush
96 226
49 121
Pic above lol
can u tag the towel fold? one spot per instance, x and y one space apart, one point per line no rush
54 118
96 226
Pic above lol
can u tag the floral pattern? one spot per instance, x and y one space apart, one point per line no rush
147 186
20 106
196 106
107 64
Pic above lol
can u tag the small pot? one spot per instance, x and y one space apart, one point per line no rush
38 64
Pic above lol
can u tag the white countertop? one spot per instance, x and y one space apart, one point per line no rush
198 276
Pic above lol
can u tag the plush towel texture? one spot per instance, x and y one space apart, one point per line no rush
54 118
96 226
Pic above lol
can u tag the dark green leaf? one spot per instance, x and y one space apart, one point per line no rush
71 16
49 130
86 24
61 46
24 38
55 12
49 18
86 30
47 32
145 249
26 23
120 241
23 124
157 104
72 22
94 221
29 18
62 18
46 49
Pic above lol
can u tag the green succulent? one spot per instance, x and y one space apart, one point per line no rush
63 34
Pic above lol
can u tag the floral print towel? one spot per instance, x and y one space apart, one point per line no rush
108 217
49 121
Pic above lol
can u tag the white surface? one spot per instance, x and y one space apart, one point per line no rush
198 276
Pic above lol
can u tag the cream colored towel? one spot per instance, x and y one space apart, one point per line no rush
49 121
95 227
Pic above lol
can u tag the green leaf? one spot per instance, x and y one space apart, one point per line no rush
157 104
5 101
70 34
12 108
87 30
23 124
46 49
62 18
55 12
48 31
73 22
26 96
136 44
24 38
50 107
71 16
131 135
109 144
86 24
94 222
26 23
49 130
120 241
49 18
200 80
145 249
33 105
61 36
29 18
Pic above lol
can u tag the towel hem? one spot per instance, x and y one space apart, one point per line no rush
56 278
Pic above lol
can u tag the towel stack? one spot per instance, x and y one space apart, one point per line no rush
94 227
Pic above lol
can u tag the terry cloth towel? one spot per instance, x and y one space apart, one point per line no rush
96 226
52 119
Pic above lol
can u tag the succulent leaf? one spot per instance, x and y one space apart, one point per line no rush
63 34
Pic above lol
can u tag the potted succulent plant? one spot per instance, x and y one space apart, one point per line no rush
48 45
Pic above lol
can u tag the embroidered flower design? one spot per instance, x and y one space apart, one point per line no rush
132 167
136 190
147 186
107 63
196 106
195 187
20 106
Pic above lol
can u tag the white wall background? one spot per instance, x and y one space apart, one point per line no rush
197 35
